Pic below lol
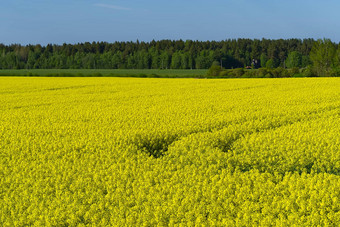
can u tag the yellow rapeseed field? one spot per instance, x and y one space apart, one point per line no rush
160 152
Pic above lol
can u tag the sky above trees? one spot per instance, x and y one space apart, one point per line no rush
73 21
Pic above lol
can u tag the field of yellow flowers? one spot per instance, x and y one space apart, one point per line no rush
145 152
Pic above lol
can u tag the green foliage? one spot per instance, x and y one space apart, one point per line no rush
280 72
176 61
335 72
214 70
293 71
262 71
170 73
263 60
250 74
238 72
323 56
205 59
294 60
270 64
163 54
306 61
309 72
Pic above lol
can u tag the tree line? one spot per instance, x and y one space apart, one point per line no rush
173 54
163 54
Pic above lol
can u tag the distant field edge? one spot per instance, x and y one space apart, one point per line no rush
152 73
136 73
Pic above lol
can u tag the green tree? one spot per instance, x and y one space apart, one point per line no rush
165 60
323 56
263 60
185 61
337 57
205 59
117 60
270 64
215 69
305 61
233 53
294 60
176 60
32 57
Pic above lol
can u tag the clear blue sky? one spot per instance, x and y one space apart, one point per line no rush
73 21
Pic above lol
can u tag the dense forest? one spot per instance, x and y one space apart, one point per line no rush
307 57
164 54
